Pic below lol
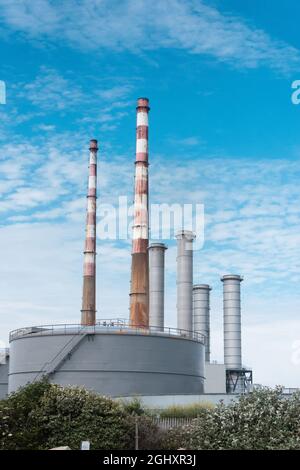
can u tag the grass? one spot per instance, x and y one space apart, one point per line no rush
185 411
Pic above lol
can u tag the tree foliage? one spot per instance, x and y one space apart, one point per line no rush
43 415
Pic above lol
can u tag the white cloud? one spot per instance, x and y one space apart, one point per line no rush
51 91
190 25
46 127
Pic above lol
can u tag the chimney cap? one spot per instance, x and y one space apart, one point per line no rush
202 286
158 245
93 144
185 234
143 103
232 277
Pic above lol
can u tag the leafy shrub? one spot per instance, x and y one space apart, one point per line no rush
150 436
264 419
43 415
70 415
18 426
135 407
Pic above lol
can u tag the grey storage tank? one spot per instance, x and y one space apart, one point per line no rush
109 358
185 280
4 365
201 312
157 284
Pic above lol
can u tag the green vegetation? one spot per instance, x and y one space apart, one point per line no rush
135 407
261 420
185 411
43 415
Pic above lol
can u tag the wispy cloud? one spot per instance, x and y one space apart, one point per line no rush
251 212
190 25
51 91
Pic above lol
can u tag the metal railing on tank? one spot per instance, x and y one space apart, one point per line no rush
111 325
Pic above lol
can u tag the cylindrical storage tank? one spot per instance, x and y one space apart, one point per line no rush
185 280
157 284
124 362
201 310
232 321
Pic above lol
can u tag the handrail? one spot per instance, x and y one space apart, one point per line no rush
114 325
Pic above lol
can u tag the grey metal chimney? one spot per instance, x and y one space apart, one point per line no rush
157 284
201 310
232 321
185 280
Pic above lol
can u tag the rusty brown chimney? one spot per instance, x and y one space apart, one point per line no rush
88 312
139 287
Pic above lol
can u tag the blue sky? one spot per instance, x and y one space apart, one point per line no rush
223 132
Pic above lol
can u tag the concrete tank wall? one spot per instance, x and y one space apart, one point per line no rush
4 378
115 364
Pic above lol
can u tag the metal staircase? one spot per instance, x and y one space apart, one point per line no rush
50 367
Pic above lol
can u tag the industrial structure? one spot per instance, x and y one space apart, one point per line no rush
139 285
138 356
88 312
238 378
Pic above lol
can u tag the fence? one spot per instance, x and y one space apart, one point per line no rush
104 326
171 422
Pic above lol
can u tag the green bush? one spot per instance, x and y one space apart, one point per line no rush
264 419
18 426
43 415
135 407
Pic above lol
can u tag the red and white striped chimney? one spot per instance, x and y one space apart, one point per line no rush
139 287
88 312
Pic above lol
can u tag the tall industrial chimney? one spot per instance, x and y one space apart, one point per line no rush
185 280
232 321
139 286
156 284
201 310
88 312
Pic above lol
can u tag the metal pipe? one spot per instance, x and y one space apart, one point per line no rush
88 311
139 286
201 311
156 284
232 321
185 279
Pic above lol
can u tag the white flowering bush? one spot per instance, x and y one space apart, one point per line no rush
18 428
264 419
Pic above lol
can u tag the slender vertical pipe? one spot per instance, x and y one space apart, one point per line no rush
157 285
88 312
232 321
201 309
185 280
139 286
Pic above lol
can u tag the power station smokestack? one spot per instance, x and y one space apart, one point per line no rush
201 309
139 286
185 280
88 312
156 284
232 321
